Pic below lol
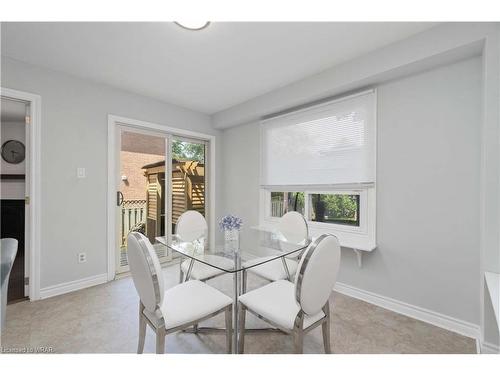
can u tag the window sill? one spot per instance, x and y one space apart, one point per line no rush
359 243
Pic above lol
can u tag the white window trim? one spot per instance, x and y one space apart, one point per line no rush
362 237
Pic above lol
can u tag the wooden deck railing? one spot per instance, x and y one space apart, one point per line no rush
133 212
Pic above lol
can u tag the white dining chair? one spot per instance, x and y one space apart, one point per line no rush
297 308
170 310
8 251
293 227
192 226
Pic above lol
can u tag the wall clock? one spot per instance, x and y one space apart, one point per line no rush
13 152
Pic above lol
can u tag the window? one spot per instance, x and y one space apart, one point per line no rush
334 208
341 208
321 162
283 202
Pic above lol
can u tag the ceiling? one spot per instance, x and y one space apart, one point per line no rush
12 111
208 70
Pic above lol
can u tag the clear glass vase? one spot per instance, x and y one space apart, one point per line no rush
232 239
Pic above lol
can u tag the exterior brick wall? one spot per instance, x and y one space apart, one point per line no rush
130 165
143 143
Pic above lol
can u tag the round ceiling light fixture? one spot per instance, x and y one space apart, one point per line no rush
193 25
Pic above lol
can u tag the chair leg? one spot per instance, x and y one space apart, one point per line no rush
229 328
298 333
160 340
244 282
325 327
142 331
241 318
298 341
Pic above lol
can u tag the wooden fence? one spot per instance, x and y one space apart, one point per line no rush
133 212
277 208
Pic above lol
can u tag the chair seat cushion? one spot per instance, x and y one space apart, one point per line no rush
276 303
274 269
202 271
188 302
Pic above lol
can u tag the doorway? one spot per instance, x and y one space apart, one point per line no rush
158 176
32 213
14 140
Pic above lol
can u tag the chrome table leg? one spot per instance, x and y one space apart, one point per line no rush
236 276
237 292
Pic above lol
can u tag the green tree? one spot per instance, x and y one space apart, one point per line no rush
188 151
298 202
335 206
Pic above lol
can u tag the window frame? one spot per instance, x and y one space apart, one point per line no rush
363 208
362 237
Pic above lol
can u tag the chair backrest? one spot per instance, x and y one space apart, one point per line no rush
317 273
8 251
146 270
293 227
191 225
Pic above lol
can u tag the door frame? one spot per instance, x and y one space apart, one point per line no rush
113 122
32 240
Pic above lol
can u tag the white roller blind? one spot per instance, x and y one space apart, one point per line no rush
333 143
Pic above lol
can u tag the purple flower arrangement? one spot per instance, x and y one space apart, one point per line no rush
230 222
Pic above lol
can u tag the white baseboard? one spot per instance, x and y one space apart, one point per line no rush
419 313
71 286
488 348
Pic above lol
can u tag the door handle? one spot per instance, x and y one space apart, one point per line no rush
119 198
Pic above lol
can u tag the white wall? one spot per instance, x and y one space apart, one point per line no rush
490 186
12 189
241 151
427 194
74 134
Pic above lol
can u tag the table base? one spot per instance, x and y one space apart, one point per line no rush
223 330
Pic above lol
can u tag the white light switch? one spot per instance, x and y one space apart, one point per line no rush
80 172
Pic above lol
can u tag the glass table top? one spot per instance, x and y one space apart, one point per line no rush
254 247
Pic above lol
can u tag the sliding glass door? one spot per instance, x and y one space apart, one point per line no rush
152 194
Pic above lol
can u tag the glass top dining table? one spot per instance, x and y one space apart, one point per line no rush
252 247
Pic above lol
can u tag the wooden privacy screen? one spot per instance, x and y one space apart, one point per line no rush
188 193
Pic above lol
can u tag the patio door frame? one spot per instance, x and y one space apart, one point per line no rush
114 122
